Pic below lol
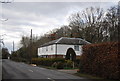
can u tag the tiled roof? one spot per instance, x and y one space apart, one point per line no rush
68 41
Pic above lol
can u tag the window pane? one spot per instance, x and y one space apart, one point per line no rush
76 47
51 47
46 48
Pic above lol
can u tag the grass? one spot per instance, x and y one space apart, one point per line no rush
50 67
47 67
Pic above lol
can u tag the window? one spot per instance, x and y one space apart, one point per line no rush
51 47
42 50
46 48
76 47
39 50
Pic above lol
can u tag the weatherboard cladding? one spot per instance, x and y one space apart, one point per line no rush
68 41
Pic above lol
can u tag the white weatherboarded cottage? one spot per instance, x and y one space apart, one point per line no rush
64 47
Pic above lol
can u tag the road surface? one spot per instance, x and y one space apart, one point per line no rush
15 70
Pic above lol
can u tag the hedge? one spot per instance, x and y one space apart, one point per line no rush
58 63
19 59
46 61
101 60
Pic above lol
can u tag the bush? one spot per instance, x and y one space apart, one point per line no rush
19 59
60 65
68 64
54 65
77 63
47 61
101 60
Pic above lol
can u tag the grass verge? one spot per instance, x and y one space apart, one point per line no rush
50 67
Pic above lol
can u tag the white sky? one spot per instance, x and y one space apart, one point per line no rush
42 17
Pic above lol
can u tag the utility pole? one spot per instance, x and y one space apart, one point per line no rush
13 46
31 36
30 51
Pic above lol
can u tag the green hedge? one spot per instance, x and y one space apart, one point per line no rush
46 61
101 60
19 59
58 63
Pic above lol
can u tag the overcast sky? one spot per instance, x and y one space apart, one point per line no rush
39 16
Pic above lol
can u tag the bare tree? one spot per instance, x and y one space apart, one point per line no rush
112 20
25 41
87 23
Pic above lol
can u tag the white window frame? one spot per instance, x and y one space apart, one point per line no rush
76 48
51 47
46 48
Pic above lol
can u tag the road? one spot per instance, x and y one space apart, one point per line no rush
15 70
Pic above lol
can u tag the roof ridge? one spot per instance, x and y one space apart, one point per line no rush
73 38
58 40
67 40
